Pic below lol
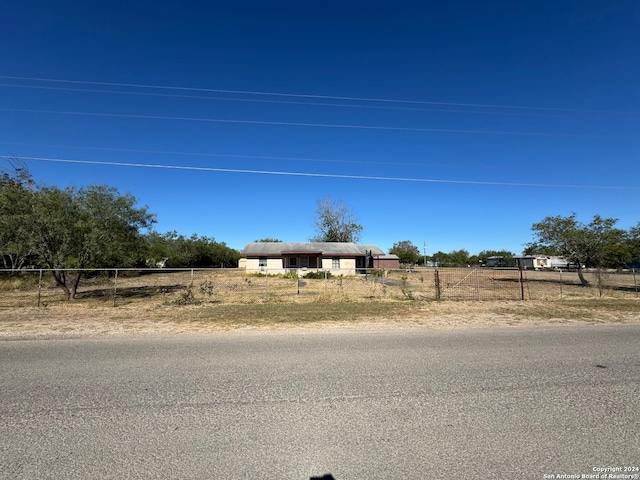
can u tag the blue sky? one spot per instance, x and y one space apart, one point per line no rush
451 124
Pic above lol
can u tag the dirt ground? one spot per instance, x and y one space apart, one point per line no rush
79 321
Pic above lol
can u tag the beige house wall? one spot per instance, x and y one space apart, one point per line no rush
347 266
274 266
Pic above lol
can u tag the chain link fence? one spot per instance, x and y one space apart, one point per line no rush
158 287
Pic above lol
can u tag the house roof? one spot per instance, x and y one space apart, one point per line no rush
389 256
309 248
375 251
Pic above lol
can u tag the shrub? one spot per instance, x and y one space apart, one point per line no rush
318 275
206 288
187 297
16 281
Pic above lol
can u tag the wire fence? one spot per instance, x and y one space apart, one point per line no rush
158 287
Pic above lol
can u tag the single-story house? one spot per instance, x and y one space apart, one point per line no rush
339 258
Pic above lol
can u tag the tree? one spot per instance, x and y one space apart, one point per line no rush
587 245
504 258
335 222
406 251
194 251
92 227
268 240
633 245
16 204
455 258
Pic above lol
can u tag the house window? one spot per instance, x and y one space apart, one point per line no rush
262 262
335 263
293 262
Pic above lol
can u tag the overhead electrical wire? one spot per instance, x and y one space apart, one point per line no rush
294 124
385 103
433 163
313 104
317 175
299 95
215 155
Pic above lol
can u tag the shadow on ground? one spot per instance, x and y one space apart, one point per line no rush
131 292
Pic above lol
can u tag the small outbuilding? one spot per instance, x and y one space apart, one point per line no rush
542 262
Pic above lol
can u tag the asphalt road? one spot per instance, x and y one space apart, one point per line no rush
495 404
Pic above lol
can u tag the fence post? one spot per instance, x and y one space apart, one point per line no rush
521 284
115 288
437 284
266 285
599 279
40 288
560 283
635 283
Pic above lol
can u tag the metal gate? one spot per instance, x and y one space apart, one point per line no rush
479 284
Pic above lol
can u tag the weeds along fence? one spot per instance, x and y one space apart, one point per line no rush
164 287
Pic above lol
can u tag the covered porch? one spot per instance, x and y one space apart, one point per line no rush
305 260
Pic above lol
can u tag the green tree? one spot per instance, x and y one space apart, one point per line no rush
92 227
206 252
223 255
459 258
268 240
455 258
633 245
173 250
505 257
406 251
159 247
591 245
16 206
335 222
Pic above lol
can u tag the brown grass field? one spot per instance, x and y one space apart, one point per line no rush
169 302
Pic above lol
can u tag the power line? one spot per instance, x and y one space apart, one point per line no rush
298 95
434 162
317 175
215 155
316 104
292 124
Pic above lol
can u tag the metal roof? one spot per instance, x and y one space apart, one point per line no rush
375 251
326 248
389 256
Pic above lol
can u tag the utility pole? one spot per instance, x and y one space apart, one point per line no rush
424 251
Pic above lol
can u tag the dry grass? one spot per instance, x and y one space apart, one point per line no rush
182 302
